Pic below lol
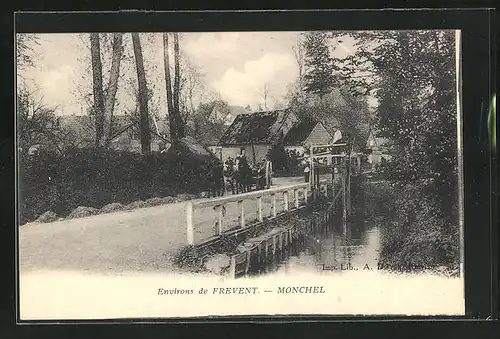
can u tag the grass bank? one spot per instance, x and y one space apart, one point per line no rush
414 235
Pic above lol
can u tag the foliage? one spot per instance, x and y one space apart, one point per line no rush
337 109
37 124
413 79
205 124
95 178
24 50
415 239
319 75
279 157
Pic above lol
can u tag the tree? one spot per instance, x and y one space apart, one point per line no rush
337 109
191 90
177 78
279 157
37 124
265 94
413 79
208 127
319 77
143 95
298 50
24 50
173 93
98 107
170 105
417 112
112 86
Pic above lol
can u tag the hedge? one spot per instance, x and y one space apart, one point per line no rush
86 177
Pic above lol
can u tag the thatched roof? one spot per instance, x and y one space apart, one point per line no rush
299 133
189 147
259 128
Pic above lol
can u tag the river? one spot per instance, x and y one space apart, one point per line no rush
332 252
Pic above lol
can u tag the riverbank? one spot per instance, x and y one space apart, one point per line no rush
413 237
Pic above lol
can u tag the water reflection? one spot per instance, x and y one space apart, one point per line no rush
332 251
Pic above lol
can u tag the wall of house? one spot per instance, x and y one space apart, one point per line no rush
318 136
376 157
260 152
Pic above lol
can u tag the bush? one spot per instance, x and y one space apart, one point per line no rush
83 211
115 206
86 177
418 237
47 217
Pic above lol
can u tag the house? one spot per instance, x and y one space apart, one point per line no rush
377 149
79 130
254 134
306 133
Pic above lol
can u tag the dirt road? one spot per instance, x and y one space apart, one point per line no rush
137 240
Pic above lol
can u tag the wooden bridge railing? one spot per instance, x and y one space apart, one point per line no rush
219 205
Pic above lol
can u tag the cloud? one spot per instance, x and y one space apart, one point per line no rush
214 45
245 86
57 85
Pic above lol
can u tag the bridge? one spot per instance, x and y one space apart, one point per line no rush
233 216
145 239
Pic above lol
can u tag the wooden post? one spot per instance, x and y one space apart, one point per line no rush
241 208
349 210
220 219
253 153
259 257
273 200
312 177
333 189
285 197
280 242
189 223
305 195
232 267
247 264
266 254
259 205
268 174
344 200
296 194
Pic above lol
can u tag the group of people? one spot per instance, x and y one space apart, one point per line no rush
240 175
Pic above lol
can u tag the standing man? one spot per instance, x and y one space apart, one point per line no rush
307 170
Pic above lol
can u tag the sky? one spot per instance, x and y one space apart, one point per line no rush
236 65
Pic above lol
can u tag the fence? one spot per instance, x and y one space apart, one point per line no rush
220 205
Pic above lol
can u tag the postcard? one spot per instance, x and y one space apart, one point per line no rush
199 174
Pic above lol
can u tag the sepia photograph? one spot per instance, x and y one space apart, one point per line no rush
195 174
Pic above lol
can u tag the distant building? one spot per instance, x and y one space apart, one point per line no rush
305 133
79 130
377 149
254 134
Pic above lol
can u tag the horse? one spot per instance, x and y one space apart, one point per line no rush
215 180
243 176
229 176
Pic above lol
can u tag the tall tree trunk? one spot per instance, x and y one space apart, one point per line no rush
112 85
177 80
143 95
95 53
170 105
